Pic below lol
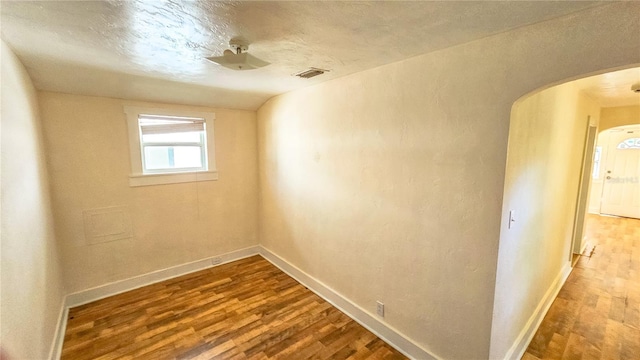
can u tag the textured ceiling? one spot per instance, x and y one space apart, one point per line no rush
155 50
614 88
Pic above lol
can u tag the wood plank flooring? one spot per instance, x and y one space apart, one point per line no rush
247 309
597 312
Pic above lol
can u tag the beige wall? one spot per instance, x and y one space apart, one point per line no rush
619 116
544 160
87 144
387 184
32 290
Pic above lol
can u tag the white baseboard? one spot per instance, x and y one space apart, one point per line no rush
58 336
364 318
390 335
117 287
526 335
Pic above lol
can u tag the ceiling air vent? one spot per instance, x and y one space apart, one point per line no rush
311 72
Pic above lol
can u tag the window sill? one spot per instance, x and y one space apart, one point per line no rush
174 178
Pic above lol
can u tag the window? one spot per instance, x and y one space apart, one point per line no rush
633 143
172 144
170 147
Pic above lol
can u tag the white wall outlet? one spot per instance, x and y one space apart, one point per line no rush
216 260
380 308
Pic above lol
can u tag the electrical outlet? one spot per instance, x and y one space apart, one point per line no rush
216 260
380 308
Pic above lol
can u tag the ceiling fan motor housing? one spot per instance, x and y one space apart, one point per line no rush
239 45
240 60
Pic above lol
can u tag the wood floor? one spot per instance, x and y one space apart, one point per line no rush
597 312
247 309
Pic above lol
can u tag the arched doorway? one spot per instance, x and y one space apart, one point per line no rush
547 187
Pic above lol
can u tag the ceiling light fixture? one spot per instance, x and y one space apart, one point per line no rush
238 60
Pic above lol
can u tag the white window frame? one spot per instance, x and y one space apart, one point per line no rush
139 178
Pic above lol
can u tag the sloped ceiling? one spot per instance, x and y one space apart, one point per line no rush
155 50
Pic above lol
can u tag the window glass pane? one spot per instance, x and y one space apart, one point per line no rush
187 156
633 143
156 157
184 137
172 157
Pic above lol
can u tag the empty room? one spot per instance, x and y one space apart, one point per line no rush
320 180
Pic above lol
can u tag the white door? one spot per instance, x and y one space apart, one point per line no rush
621 190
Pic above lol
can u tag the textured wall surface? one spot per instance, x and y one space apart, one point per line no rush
88 152
619 116
387 184
32 287
544 160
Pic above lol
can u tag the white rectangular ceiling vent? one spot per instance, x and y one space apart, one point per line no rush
311 72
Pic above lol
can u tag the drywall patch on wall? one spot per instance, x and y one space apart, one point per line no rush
107 224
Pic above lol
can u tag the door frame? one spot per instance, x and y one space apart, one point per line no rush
582 202
584 190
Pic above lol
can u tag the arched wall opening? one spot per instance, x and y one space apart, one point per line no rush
414 154
547 176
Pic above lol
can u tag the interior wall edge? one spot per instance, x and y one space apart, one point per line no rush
392 336
519 347
32 285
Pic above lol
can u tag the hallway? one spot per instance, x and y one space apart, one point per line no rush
597 312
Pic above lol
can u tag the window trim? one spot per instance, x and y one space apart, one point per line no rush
138 178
